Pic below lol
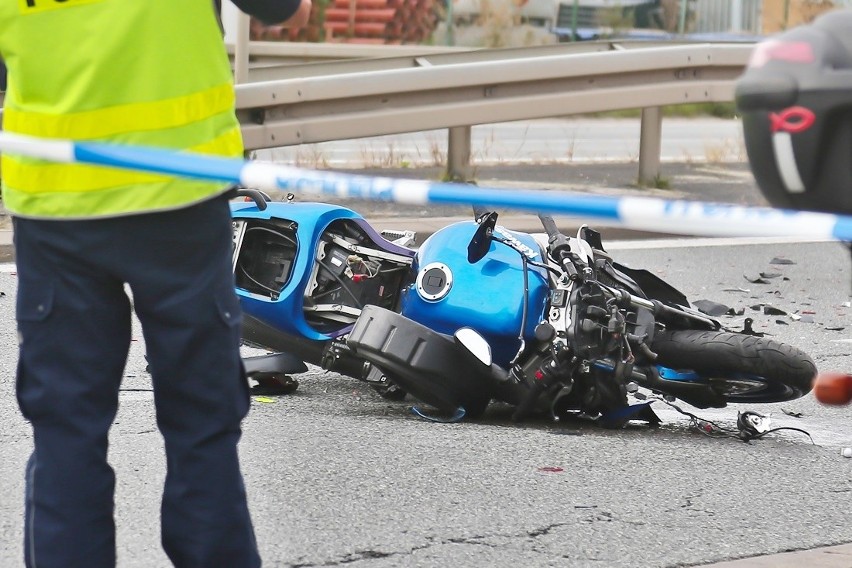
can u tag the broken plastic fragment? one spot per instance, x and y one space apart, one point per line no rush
748 330
751 423
551 469
711 308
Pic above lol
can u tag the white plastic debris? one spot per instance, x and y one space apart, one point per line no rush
847 452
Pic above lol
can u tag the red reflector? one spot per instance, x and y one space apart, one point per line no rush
777 50
538 375
793 120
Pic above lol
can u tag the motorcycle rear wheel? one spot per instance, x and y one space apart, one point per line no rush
741 368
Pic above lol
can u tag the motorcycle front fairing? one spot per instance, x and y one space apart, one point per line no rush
488 296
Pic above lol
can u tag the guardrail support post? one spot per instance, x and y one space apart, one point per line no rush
650 135
458 154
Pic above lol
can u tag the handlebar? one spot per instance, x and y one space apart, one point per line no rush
560 249
559 246
659 309
549 226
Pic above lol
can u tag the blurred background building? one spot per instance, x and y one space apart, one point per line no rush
501 23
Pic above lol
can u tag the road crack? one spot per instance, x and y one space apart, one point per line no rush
477 540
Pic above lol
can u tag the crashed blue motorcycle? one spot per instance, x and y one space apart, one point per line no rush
547 323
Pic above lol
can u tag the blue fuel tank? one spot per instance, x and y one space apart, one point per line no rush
488 296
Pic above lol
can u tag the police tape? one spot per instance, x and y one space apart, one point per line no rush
643 213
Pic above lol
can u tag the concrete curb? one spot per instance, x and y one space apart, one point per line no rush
7 248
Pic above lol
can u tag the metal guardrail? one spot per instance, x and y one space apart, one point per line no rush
457 91
289 52
271 61
427 89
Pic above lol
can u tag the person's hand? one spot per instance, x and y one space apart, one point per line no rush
300 17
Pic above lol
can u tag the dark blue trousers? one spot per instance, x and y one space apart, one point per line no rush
74 323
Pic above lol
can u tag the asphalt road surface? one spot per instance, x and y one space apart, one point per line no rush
338 476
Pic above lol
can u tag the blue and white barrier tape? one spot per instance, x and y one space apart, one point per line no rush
644 213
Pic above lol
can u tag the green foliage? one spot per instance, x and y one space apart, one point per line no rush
657 182
690 110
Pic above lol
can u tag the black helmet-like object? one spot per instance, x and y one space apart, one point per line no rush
796 103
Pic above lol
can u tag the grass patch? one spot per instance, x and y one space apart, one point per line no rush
689 110
657 182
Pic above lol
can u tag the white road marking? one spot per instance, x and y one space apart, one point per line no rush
687 242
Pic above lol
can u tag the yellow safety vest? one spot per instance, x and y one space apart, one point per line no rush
141 72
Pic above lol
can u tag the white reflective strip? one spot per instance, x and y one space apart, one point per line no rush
414 192
782 144
53 150
721 220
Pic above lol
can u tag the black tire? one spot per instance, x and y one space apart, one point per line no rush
424 363
742 368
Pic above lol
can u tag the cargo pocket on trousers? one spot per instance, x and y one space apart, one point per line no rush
33 305
230 312
35 301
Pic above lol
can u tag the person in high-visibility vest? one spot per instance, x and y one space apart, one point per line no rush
152 73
